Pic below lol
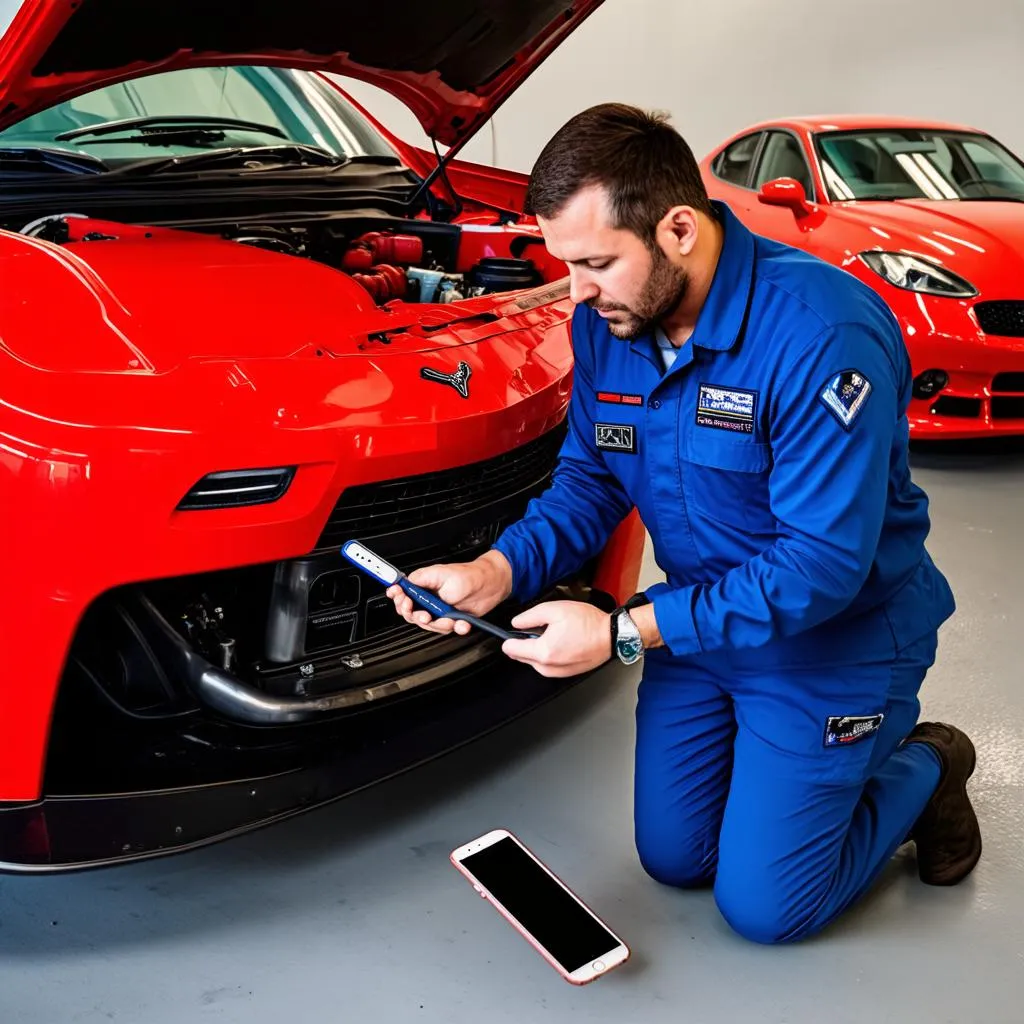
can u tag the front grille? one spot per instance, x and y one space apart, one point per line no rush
1008 408
962 408
1008 382
323 604
1004 317
369 660
429 499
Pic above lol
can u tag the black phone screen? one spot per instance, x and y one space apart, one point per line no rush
571 934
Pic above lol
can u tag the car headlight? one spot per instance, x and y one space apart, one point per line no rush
914 274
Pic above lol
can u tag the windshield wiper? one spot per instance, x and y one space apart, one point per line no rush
874 199
166 124
251 158
992 199
36 158
912 199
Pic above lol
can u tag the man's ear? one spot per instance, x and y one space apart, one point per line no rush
677 230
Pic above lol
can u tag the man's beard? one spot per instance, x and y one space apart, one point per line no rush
663 290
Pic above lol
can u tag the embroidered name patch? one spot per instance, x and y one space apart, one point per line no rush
615 437
845 394
616 399
842 730
726 408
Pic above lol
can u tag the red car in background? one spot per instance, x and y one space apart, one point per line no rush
931 215
240 324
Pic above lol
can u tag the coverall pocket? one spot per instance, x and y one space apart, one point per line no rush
726 478
835 743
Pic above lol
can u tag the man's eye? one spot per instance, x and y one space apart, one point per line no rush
600 266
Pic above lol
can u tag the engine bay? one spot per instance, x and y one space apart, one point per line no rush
408 260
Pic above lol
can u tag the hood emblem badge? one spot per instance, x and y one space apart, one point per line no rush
458 380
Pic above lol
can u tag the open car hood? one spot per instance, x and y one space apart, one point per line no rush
451 63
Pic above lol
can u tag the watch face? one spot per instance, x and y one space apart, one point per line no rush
629 649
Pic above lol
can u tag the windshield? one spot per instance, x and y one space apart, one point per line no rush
918 164
297 106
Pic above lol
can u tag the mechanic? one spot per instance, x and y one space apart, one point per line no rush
750 401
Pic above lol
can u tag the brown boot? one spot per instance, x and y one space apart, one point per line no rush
947 834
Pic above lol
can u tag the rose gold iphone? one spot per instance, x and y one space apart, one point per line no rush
542 908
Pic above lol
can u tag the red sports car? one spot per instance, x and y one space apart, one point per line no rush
932 216
240 324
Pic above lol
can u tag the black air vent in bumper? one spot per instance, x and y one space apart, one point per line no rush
1008 408
951 405
238 488
1008 382
1002 317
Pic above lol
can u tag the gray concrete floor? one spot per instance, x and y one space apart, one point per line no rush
353 913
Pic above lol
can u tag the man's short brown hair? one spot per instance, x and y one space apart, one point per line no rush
642 162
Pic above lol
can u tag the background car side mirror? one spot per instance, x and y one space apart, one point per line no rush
786 192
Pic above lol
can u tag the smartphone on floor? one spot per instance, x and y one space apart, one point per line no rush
540 906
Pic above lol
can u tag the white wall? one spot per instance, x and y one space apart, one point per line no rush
7 12
718 65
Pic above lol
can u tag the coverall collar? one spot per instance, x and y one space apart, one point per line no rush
723 315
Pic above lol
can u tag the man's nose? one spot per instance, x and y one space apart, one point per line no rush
581 288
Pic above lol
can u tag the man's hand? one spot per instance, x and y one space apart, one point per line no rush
578 638
475 587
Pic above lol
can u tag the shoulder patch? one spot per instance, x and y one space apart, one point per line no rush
844 396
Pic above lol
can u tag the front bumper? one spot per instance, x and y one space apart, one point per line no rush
106 824
967 408
984 393
983 398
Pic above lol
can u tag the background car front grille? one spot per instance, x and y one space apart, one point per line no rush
950 405
1004 317
1008 408
428 499
1008 382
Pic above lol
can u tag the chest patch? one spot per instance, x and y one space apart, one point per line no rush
726 408
845 394
614 398
615 437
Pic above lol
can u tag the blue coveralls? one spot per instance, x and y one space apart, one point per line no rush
800 612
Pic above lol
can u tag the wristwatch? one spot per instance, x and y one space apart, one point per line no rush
627 644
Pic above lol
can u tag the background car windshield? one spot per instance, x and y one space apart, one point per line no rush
299 104
897 164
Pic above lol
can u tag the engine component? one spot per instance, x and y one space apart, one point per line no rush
290 241
316 607
451 290
52 228
371 260
498 274
202 625
378 247
269 243
384 282
427 285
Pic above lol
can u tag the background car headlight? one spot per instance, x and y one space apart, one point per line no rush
915 274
